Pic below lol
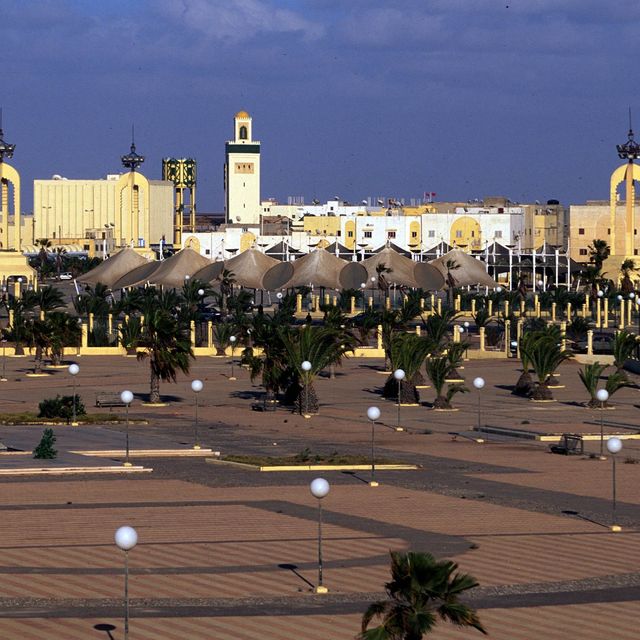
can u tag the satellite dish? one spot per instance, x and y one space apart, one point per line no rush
56 176
237 218
364 202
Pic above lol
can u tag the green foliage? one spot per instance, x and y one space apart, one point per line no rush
482 317
422 591
130 332
544 353
624 344
61 407
45 449
436 327
590 377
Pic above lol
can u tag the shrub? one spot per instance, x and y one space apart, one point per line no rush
61 407
45 450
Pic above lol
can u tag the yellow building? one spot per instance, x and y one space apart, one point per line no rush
138 211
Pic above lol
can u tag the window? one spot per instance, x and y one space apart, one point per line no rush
583 252
207 251
498 233
86 247
414 234
608 232
243 132
349 234
368 234
338 233
391 234
432 233
458 234
581 231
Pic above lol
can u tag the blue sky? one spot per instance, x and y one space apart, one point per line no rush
356 98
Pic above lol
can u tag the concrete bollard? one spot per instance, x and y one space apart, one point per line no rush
605 315
481 331
590 342
298 303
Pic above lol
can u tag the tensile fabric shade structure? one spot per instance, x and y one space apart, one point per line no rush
403 271
465 270
248 268
109 271
318 268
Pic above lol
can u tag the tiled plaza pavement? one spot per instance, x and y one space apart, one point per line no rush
228 553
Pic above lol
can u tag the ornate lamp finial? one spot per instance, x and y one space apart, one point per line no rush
630 150
132 160
6 149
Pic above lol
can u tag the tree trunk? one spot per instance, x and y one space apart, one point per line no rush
542 391
307 400
37 364
524 385
408 392
441 403
154 388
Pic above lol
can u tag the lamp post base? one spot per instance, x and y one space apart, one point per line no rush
320 589
480 440
75 424
232 378
127 464
306 416
616 528
602 457
373 483
398 428
4 380
196 447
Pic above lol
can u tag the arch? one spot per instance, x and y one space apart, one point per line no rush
192 243
243 132
465 232
247 240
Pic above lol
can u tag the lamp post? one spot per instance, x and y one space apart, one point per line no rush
306 367
399 375
600 294
319 489
614 445
373 413
4 361
127 397
126 539
620 321
363 287
279 296
478 383
232 340
196 387
74 370
373 291
602 395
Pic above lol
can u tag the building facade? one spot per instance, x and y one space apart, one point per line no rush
138 213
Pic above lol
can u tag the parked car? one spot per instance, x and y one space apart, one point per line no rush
66 275
602 344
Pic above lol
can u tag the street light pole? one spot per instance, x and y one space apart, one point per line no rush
399 375
4 361
126 539
127 397
74 369
319 489
232 340
478 383
602 395
306 367
196 387
373 413
614 445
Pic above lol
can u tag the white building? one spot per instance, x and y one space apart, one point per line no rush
242 173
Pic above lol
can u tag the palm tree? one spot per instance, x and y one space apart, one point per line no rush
439 369
545 355
421 592
59 254
590 376
599 251
436 327
624 344
130 331
44 244
167 344
321 346
627 269
38 335
524 385
226 279
408 352
451 282
65 332
45 298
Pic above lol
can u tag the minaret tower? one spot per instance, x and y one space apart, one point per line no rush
242 173
629 151
9 177
134 188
